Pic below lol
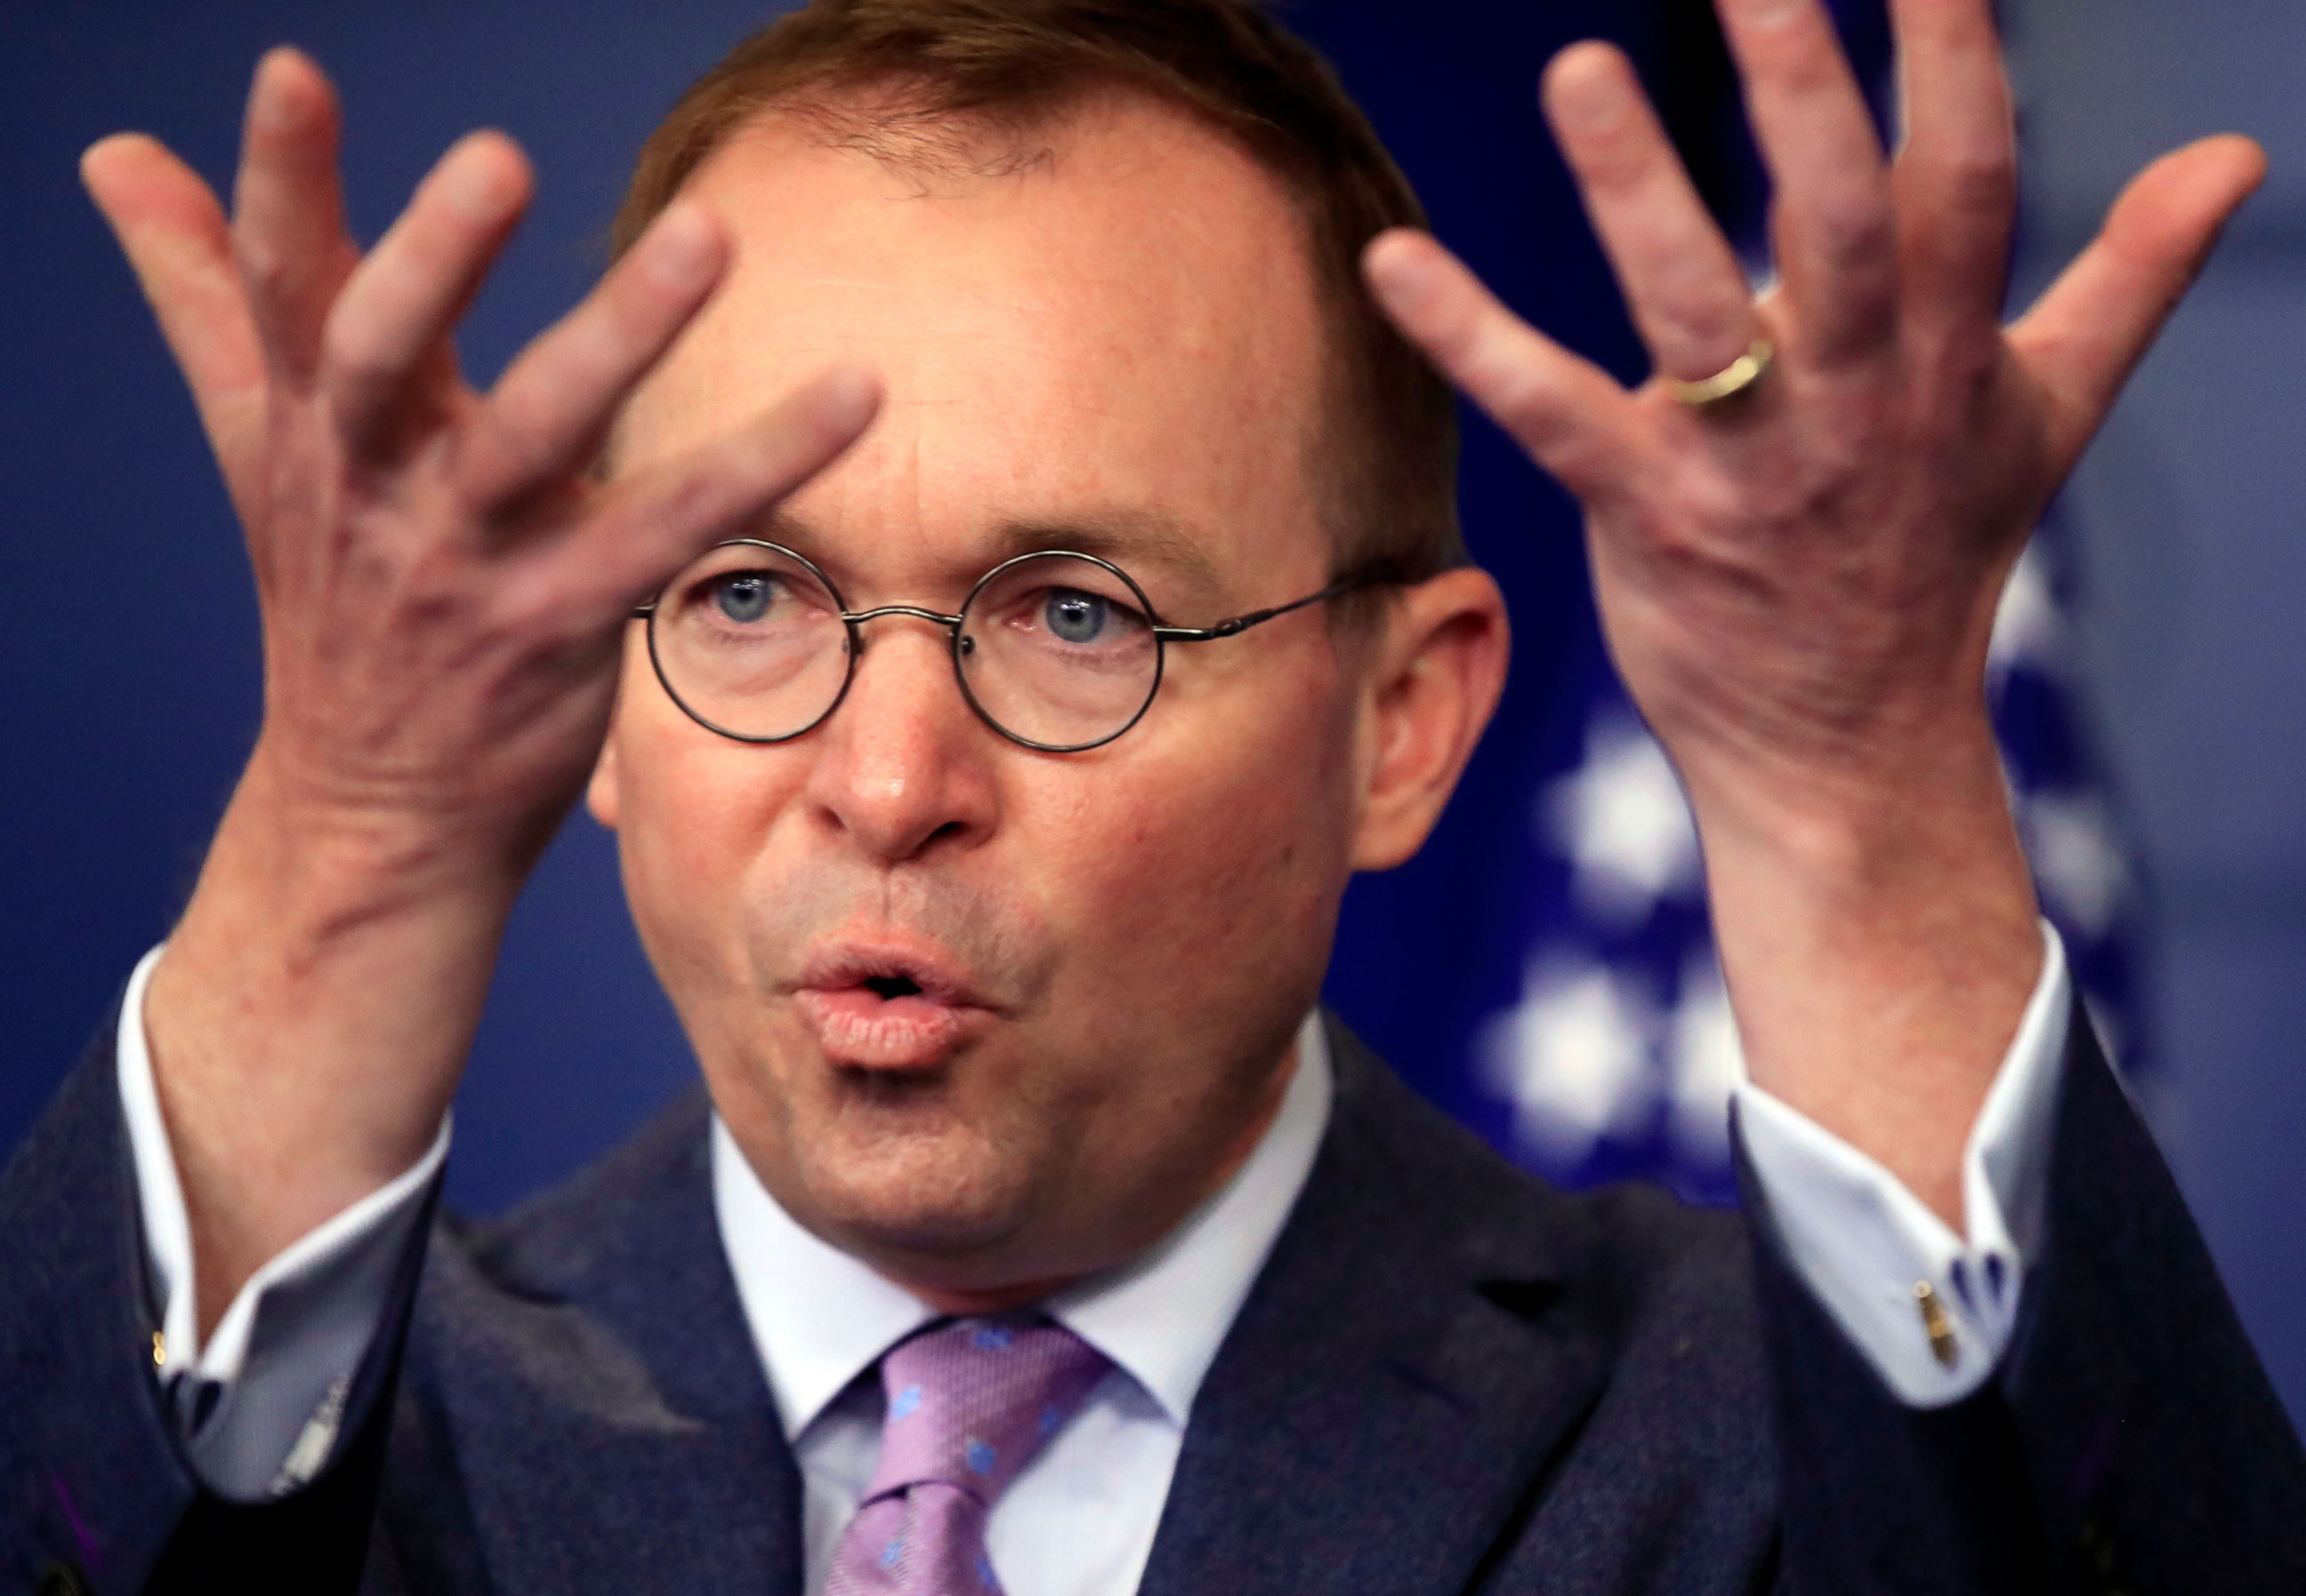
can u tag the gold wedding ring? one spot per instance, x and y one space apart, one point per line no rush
1729 382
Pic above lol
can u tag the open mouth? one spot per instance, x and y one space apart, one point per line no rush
881 1009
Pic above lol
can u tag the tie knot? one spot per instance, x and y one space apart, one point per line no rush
970 1403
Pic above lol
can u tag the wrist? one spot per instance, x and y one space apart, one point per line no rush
309 1022
1848 810
323 994
1880 939
335 858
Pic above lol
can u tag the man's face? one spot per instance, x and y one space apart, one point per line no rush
1116 348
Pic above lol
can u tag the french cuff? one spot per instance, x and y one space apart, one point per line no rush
1932 1311
289 1345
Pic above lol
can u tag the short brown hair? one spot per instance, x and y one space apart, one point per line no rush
1388 453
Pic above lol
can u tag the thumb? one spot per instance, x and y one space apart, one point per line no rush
173 233
2086 334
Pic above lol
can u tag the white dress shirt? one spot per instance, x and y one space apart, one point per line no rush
1080 1521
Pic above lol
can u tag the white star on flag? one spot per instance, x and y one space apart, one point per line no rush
1623 824
1572 1057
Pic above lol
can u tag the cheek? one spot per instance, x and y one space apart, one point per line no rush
1215 860
695 813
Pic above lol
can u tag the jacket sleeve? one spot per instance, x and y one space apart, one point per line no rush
259 1401
97 1491
2129 1442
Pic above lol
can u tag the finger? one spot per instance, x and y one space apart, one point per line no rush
649 526
1834 227
1569 414
551 410
2089 331
1956 179
1687 290
177 242
398 309
289 217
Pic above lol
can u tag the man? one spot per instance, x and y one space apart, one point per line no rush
990 726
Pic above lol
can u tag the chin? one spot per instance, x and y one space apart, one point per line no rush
920 1198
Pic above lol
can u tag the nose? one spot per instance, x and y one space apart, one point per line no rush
904 767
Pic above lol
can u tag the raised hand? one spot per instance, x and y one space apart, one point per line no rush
444 583
1798 581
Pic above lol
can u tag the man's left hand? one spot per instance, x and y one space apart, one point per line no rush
1799 582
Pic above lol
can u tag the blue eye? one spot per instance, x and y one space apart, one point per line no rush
744 596
1075 617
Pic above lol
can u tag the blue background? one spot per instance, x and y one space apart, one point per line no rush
129 658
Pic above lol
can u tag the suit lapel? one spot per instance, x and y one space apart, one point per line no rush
626 1438
1399 1377
1381 1413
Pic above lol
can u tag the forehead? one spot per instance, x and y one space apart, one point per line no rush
1113 326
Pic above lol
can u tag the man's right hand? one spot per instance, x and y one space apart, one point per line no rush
443 583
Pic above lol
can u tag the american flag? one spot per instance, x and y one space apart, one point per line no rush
1617 1055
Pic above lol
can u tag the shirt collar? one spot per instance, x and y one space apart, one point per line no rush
821 1318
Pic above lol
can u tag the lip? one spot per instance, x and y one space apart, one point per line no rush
856 1026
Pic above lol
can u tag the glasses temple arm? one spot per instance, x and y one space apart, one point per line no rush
1236 625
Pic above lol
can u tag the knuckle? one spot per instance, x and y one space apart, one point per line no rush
1856 228
1809 61
1616 160
1706 336
1966 361
264 265
1981 181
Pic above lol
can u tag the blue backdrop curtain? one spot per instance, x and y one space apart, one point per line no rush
1540 971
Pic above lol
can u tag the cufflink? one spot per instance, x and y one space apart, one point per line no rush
1935 1324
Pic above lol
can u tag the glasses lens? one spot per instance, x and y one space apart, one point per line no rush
749 641
1059 651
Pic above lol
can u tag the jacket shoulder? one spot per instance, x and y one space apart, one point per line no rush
567 1234
1628 1242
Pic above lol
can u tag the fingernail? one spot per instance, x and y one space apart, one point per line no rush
849 396
1582 88
472 184
94 152
682 245
1397 275
271 107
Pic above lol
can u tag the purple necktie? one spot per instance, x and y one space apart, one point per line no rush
970 1404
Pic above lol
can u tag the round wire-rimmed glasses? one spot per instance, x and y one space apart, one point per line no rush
1057 651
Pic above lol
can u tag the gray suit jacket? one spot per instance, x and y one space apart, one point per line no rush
1449 1377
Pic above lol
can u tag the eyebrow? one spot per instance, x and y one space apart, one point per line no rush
1136 539
1144 542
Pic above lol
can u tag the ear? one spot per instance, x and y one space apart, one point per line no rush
603 795
1436 668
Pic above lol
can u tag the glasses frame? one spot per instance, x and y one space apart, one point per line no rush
853 622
